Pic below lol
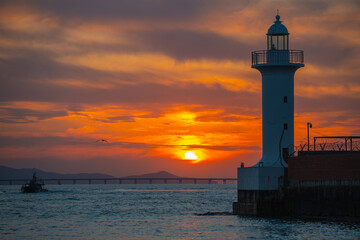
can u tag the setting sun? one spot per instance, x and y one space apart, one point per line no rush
190 155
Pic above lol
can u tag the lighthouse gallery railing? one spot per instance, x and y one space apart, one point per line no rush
277 57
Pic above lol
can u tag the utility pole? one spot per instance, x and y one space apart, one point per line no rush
309 125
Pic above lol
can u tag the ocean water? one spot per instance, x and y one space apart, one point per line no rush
147 211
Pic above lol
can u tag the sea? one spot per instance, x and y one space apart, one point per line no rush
148 211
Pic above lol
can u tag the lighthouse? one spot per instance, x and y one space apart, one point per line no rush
277 65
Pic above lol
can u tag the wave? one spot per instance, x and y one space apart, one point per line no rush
214 214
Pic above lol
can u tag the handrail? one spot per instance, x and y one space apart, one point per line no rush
277 57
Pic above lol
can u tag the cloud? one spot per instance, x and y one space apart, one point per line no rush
143 10
184 44
327 51
53 141
22 115
157 78
39 76
326 103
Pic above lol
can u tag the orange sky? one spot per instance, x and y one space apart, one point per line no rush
160 80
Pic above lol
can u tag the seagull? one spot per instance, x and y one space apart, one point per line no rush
102 140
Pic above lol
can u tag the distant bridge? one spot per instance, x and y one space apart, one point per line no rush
124 181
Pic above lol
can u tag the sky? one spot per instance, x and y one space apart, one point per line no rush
167 84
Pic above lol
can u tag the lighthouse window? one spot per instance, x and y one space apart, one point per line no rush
285 126
275 42
285 99
278 42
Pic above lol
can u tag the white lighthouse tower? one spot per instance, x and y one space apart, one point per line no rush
277 66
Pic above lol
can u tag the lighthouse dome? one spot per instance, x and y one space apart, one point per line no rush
277 28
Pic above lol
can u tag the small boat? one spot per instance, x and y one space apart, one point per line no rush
34 186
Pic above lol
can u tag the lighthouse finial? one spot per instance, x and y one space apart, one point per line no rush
277 16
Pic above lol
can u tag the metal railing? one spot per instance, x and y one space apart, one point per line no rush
277 57
331 144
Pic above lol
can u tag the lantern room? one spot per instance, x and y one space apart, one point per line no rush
277 36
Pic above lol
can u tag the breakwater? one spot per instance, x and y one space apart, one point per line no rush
314 186
303 198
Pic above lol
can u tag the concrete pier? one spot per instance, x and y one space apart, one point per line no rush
315 186
258 203
305 199
323 198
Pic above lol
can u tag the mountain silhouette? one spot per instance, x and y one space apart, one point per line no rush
7 173
161 174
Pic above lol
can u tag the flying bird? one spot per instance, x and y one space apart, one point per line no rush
102 140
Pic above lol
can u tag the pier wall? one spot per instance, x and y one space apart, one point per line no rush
323 199
325 167
316 186
258 203
305 201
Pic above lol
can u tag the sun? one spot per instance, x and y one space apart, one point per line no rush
190 155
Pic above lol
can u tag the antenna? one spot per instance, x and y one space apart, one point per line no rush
277 11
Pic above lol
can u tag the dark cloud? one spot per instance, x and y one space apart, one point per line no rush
345 119
180 44
121 118
160 10
226 116
22 115
38 65
48 42
327 103
326 51
31 78
187 44
132 94
343 77
6 141
49 141
222 147
318 7
51 35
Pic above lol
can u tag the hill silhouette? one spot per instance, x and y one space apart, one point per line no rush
26 173
7 173
161 174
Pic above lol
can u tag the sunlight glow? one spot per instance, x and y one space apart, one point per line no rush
190 155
